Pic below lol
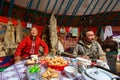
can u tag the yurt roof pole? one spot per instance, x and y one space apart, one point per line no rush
60 7
1 10
116 19
65 11
85 11
94 19
45 11
99 20
28 9
34 13
54 6
94 7
10 8
74 12
103 24
37 7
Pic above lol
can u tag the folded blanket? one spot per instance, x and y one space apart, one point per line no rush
6 61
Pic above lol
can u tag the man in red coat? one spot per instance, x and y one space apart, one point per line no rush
30 46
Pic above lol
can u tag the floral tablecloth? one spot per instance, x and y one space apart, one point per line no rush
18 72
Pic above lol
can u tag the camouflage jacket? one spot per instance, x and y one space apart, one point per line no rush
83 49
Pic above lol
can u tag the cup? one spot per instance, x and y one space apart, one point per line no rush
35 57
74 61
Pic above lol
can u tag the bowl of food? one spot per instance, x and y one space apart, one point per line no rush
71 71
57 67
57 63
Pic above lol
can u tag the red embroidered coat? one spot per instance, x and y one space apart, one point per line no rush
24 47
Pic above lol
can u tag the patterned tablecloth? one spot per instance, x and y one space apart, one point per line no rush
18 72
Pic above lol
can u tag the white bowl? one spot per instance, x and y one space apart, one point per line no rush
54 79
70 71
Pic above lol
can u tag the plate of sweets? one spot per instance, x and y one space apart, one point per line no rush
50 74
33 60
